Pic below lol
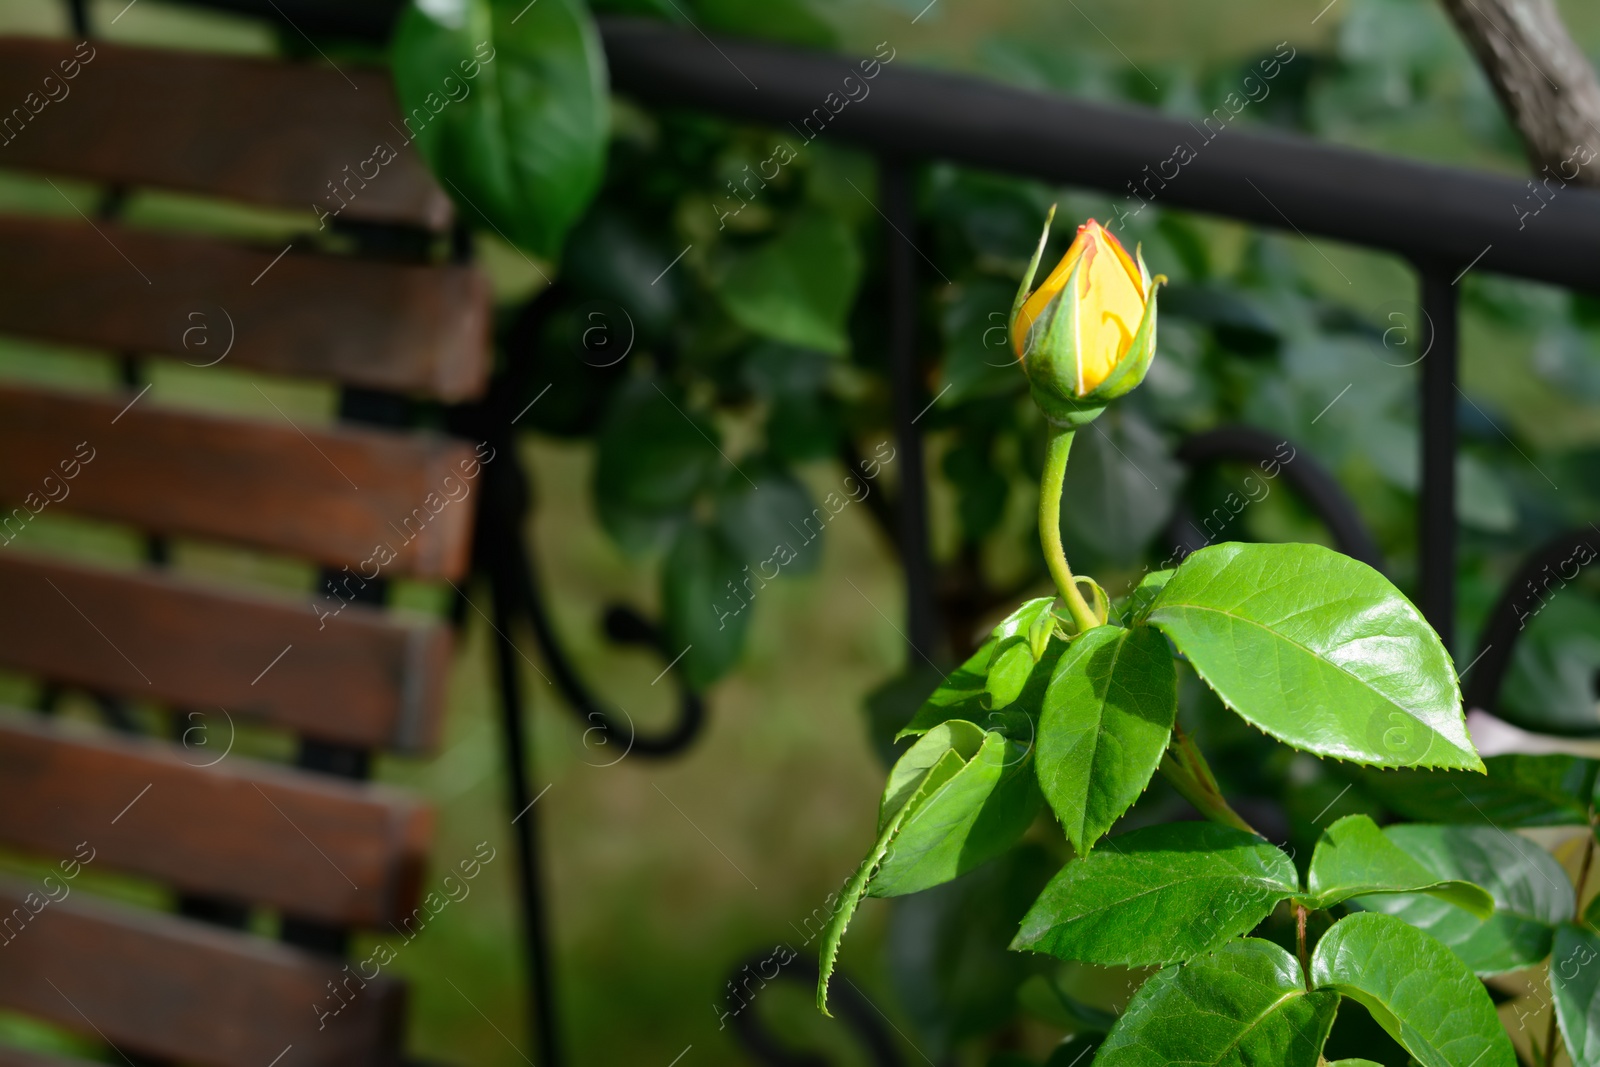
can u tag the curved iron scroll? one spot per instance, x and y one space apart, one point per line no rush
624 626
1310 480
1498 639
849 1004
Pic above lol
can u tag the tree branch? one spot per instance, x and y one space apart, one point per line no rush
1542 78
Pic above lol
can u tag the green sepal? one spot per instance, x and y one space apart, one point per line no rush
1033 268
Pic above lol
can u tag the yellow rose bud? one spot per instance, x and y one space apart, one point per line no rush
1087 334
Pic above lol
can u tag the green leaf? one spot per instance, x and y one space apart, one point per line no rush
1137 607
1354 857
796 286
1158 895
1518 791
1320 651
962 738
509 105
1353 1063
1532 894
653 458
948 764
701 616
983 809
964 694
1415 988
1017 648
1106 721
1575 985
960 696
1244 1005
770 519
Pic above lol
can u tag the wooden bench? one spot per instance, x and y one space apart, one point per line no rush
312 843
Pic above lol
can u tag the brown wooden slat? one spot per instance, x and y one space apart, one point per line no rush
338 672
318 846
337 495
16 1057
261 131
167 987
397 327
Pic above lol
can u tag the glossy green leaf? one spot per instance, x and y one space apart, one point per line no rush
958 736
796 286
1320 651
1157 895
1531 891
1244 1005
964 693
945 767
1017 648
1416 989
509 105
1353 857
700 613
653 459
1353 1063
1575 986
980 812
1106 720
1518 791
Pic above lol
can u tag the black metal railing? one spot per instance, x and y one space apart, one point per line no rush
1444 221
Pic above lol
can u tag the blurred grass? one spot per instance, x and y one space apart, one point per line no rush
664 876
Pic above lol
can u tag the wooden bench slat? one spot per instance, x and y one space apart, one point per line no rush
318 846
397 327
374 501
165 987
16 1057
260 131
355 675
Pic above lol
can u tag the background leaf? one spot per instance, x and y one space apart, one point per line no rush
522 146
1531 891
796 286
1320 651
947 951
1105 723
1119 488
769 510
1243 1005
1548 790
701 615
1354 857
1157 895
1416 988
654 457
1575 985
